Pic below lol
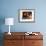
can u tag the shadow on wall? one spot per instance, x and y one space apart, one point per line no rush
2 21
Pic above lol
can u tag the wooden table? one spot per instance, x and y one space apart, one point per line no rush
20 39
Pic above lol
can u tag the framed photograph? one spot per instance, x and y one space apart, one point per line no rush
27 15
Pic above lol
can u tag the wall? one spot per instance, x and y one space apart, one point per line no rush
9 8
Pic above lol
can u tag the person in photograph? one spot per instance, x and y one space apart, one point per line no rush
27 15
24 15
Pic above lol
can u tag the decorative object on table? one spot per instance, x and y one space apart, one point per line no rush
27 15
30 33
9 21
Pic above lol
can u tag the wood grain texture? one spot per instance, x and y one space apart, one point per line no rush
20 39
